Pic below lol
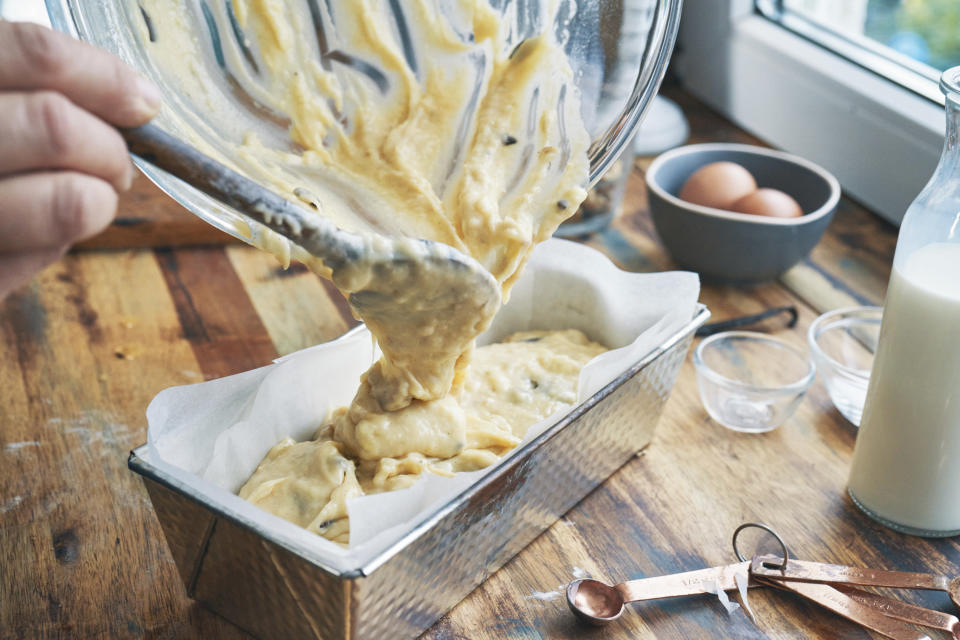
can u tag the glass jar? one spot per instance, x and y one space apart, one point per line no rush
906 463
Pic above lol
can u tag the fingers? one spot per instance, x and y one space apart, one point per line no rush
61 161
33 57
44 130
17 268
52 210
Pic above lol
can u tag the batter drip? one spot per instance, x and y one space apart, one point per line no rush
507 388
423 119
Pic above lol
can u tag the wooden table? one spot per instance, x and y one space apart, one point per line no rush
93 338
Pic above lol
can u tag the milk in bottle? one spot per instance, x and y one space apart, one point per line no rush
906 463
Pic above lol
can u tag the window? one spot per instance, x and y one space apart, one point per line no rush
796 73
907 41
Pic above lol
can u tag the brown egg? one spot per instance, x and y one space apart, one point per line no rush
768 202
718 185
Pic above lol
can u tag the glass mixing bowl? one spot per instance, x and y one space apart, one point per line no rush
618 50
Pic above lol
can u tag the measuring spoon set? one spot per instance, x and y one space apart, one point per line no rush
829 585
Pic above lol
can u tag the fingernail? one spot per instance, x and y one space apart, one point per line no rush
150 94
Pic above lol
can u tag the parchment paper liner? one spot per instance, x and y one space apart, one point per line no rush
212 435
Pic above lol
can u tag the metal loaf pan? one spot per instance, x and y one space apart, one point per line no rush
273 589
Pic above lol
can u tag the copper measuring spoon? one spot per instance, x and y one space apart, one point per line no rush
904 610
864 614
598 603
866 609
806 571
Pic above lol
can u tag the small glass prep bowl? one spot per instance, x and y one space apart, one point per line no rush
843 343
751 382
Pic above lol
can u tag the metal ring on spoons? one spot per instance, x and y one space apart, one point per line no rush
760 525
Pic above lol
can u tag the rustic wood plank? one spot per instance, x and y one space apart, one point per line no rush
215 311
296 308
855 257
147 217
79 546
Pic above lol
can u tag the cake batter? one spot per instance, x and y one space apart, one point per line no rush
420 119
507 388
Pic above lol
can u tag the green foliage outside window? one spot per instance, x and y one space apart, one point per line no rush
928 30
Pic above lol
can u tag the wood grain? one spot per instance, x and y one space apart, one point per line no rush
298 309
148 218
78 541
88 343
215 312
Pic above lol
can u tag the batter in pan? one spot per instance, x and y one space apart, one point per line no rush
431 121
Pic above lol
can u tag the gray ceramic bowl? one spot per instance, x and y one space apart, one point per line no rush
738 247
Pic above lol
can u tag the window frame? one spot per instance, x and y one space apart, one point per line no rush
869 54
881 140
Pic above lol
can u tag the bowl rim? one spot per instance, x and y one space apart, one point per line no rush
798 387
819 353
823 210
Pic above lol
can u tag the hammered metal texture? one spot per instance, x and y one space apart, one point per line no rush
274 593
420 584
186 526
266 590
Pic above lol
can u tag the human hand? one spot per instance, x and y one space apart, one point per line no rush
61 160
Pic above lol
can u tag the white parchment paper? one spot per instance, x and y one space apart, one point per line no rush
211 436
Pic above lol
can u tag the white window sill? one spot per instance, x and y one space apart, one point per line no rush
881 141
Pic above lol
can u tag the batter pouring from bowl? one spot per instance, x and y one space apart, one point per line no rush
469 140
440 120
422 119
419 119
465 137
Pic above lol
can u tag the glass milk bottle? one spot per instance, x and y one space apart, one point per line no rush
906 464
